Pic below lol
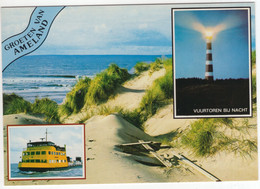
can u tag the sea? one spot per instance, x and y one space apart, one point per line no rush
53 76
75 172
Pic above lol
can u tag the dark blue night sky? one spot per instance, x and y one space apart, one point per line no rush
230 47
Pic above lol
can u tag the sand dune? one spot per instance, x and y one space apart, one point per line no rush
108 165
128 96
162 122
227 166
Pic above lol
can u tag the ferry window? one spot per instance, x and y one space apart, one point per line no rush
45 161
27 153
64 160
24 154
59 153
38 161
27 160
43 152
51 153
38 152
32 153
49 161
32 160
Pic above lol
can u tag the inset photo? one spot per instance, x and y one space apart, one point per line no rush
212 62
40 152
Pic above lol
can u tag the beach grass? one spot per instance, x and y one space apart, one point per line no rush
206 137
75 99
160 91
158 95
47 107
99 110
141 67
104 84
14 104
253 58
156 65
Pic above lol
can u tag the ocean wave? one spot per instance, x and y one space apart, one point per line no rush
53 76
17 80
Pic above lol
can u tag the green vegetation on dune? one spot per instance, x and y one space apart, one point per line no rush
76 98
156 65
14 104
141 67
152 67
47 107
253 58
206 137
155 97
104 84
159 93
89 92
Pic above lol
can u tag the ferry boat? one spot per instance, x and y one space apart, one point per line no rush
43 156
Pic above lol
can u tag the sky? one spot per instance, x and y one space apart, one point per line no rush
229 46
72 136
138 30
102 30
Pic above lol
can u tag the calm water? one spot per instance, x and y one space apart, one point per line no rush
70 172
53 76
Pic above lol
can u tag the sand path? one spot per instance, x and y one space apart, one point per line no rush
128 96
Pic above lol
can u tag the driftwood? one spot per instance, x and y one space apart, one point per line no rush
152 147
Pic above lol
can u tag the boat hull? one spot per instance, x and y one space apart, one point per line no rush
41 169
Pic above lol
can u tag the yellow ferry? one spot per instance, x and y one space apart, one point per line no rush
43 156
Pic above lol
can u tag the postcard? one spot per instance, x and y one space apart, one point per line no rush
129 93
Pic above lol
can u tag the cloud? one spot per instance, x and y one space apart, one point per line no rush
97 30
14 20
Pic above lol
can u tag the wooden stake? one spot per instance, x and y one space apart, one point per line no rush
157 156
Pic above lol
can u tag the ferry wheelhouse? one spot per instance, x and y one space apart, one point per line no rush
43 156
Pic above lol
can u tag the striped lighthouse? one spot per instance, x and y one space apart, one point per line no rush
209 65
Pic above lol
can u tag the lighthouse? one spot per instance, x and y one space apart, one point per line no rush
209 66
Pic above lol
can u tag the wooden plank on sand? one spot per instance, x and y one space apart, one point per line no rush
157 156
185 160
139 143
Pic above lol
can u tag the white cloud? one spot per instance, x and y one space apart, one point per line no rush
14 20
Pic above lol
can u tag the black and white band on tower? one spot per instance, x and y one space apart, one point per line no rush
209 65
